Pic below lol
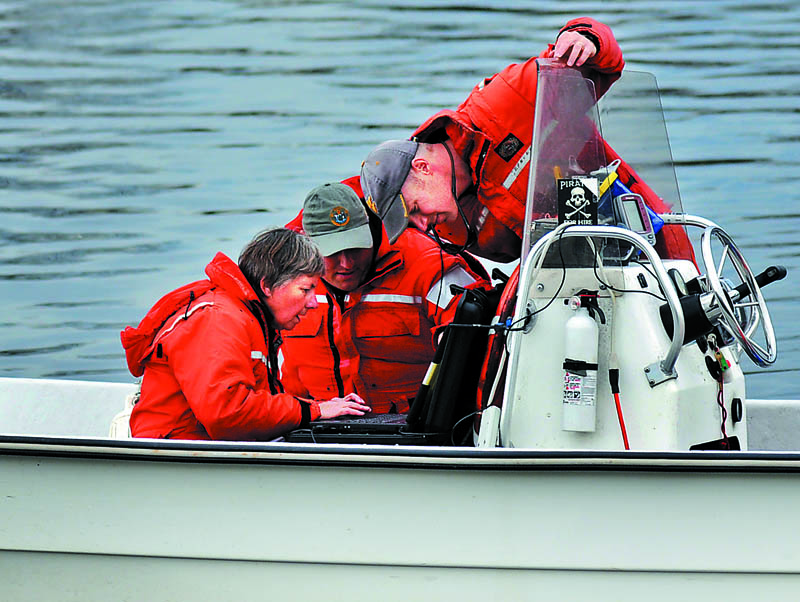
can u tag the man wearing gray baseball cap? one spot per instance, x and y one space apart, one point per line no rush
379 305
464 173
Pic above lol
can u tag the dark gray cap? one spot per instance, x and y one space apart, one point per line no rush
383 174
335 218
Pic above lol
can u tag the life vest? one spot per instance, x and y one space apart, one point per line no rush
140 342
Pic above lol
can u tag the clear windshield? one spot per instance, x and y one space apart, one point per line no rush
633 124
571 140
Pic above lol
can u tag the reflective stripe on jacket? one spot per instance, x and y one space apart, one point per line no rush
379 341
211 370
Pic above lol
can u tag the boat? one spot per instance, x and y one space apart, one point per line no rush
585 432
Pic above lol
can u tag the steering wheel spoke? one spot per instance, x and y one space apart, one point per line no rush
721 266
761 349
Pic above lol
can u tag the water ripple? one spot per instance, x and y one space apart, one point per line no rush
77 255
7 237
39 350
148 135
62 212
65 275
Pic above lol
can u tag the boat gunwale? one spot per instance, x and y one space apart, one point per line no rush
395 456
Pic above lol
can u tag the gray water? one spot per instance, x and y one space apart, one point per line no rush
137 138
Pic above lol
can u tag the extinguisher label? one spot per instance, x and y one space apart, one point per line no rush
580 389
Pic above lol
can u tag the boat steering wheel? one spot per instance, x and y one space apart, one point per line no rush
744 300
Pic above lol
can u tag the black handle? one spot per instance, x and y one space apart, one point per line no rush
771 274
498 274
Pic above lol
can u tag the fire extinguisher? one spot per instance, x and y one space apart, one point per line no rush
581 341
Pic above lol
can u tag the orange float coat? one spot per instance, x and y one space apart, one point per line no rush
492 131
210 364
376 341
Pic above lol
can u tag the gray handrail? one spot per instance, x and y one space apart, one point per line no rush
660 371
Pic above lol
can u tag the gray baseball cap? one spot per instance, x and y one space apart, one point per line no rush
335 218
383 174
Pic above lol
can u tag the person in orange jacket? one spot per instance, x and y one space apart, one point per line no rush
207 352
464 173
379 306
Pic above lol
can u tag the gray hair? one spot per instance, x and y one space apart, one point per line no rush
278 255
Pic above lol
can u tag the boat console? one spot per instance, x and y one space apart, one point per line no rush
625 343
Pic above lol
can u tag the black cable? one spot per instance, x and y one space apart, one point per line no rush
563 274
441 283
455 426
528 316
621 290
643 265
721 404
503 328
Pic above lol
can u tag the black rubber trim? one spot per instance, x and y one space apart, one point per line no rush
400 456
481 159
305 413
585 31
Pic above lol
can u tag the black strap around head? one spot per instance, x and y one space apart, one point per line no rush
472 235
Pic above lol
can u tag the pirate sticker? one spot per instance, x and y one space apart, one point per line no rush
340 216
577 200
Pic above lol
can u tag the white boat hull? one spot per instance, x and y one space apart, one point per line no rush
218 521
